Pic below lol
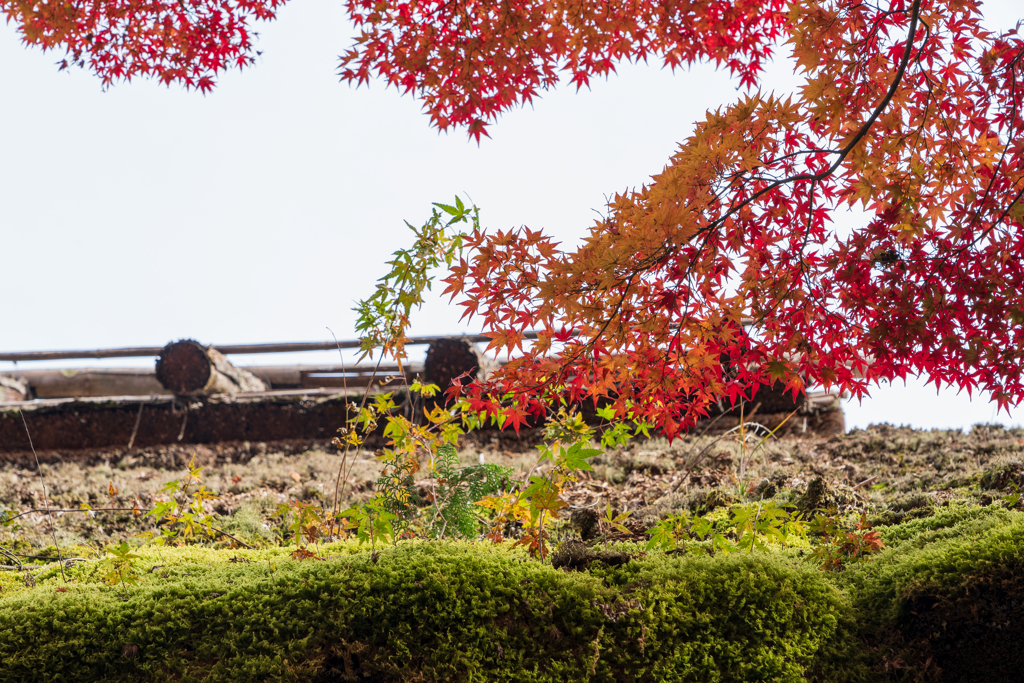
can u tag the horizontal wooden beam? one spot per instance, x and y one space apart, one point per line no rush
162 399
92 382
228 349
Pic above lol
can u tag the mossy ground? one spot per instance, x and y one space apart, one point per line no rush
940 603
449 611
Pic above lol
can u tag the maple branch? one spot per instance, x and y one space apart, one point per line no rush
977 212
845 151
842 153
991 182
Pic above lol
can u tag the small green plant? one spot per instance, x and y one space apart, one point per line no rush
383 318
183 516
457 489
543 491
8 517
838 545
755 524
1013 497
535 505
382 323
613 522
305 521
407 445
117 568
747 528
371 522
673 532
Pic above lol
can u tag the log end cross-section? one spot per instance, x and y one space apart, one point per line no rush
187 368
13 389
451 358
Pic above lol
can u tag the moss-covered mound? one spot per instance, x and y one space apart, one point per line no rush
942 597
944 602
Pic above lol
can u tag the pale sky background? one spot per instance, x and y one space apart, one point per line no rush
262 211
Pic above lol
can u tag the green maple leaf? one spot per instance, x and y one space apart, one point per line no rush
575 457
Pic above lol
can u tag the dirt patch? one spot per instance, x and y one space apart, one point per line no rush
892 474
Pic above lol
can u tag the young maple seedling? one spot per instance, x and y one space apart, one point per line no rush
184 512
305 520
613 522
564 463
671 533
754 525
372 523
1012 498
839 545
117 568
536 503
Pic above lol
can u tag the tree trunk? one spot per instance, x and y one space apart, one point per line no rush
187 368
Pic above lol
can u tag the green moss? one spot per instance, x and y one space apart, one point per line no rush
431 611
950 522
423 611
943 596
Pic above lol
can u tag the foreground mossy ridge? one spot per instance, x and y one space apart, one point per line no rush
431 611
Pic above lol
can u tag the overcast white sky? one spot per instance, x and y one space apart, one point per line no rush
262 211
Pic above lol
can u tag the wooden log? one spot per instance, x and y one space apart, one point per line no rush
85 382
13 389
60 426
92 382
452 357
187 368
804 423
335 376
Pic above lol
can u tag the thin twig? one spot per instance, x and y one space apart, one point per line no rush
703 432
700 455
135 431
11 555
37 557
49 510
866 481
772 432
137 509
236 540
743 437
753 427
42 480
184 422
743 440
66 560
344 457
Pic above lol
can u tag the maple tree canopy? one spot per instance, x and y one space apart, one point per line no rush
910 110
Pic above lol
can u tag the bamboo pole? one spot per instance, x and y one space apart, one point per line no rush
229 349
